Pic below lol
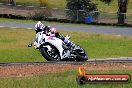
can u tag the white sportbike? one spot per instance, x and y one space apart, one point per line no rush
54 49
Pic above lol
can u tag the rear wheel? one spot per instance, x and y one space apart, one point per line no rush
81 54
50 53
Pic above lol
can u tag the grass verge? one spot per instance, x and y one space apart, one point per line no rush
65 79
113 7
13 45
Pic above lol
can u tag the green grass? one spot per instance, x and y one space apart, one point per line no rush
13 45
113 7
103 46
16 20
65 79
32 21
24 21
50 3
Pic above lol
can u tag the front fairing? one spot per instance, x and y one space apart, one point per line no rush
55 42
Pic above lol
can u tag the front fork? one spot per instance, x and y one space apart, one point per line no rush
69 52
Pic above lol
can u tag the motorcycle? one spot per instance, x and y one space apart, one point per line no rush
54 49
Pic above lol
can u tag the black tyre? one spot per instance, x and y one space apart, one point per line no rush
50 55
81 80
81 54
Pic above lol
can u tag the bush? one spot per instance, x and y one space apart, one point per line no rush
79 9
42 14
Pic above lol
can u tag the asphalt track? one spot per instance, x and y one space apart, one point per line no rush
120 31
93 61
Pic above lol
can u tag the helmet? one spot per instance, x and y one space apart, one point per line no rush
53 30
39 26
47 28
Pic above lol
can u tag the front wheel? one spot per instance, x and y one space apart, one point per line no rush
81 54
50 53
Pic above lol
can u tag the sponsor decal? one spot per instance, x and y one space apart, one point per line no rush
51 38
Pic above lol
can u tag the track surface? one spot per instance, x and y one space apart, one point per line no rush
94 29
101 61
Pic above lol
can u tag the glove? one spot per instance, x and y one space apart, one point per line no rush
67 37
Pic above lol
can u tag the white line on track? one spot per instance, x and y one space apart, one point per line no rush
29 28
13 27
1 26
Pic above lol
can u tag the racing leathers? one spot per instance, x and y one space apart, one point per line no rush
47 30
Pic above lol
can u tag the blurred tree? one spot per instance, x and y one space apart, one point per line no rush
79 9
122 4
122 10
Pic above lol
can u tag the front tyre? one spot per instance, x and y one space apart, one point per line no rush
81 80
81 54
50 54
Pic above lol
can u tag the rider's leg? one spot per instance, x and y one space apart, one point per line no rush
38 40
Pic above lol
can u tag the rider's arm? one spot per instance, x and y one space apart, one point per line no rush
58 35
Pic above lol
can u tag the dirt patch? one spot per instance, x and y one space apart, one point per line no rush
28 70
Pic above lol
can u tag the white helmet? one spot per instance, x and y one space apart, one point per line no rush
39 26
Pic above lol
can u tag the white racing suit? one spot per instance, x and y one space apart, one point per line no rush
39 37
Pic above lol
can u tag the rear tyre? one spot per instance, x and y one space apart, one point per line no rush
50 55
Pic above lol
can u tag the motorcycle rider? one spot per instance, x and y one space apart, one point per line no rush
49 31
38 29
